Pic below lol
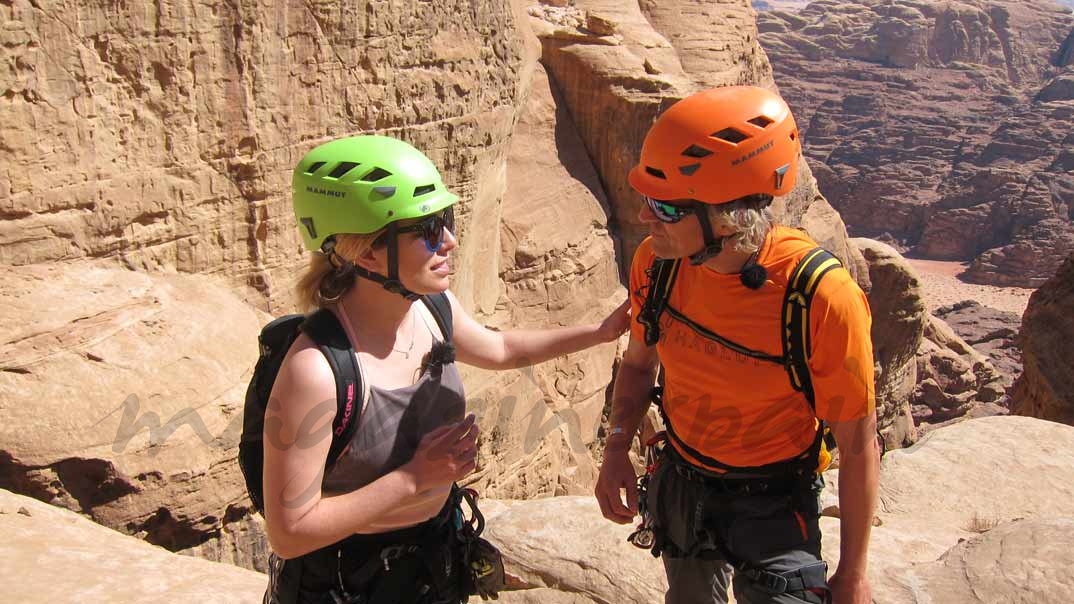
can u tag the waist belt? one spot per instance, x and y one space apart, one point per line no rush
735 483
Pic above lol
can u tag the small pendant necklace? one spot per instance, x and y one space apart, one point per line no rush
413 331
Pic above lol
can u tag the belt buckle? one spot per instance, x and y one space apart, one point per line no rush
775 584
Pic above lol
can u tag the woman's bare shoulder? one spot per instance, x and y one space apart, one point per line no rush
305 378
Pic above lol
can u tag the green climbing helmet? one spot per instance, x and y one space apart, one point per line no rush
360 184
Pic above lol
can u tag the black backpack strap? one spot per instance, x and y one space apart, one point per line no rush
351 390
662 273
796 351
797 345
794 466
440 306
708 334
442 353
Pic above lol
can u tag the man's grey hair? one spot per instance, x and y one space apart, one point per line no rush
750 216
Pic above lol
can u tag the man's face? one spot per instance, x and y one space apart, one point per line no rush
676 239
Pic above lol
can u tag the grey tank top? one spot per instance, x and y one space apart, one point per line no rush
392 424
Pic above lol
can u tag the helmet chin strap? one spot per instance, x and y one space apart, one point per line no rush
713 244
752 275
391 282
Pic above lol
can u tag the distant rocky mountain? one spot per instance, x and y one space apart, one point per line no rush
946 129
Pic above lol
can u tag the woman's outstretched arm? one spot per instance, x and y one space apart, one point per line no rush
482 347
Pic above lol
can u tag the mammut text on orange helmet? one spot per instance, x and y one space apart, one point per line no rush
719 145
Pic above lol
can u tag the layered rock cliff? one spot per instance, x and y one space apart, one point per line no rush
942 127
1046 386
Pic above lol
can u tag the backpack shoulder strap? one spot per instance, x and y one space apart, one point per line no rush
662 273
440 307
325 330
796 302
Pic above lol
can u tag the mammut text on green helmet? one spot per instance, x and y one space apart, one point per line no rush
362 183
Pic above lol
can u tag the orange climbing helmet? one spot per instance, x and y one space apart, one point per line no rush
719 145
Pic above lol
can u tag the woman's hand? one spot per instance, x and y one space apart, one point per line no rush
615 324
445 455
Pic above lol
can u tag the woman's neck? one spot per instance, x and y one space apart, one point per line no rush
374 314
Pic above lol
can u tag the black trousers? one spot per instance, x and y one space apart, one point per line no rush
707 526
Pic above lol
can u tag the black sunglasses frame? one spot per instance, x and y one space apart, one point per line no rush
432 228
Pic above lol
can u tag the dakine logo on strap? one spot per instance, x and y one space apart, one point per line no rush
326 192
754 153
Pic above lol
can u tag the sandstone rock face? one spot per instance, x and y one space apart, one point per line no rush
954 380
991 332
53 555
928 371
997 476
558 265
163 137
1020 561
899 319
952 377
541 542
123 402
942 127
1046 387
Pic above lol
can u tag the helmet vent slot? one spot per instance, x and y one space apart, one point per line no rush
376 174
341 169
730 135
424 189
651 171
689 170
697 152
761 121
314 167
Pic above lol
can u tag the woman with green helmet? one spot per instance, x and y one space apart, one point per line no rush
376 215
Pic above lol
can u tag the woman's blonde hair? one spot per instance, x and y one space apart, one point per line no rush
751 218
328 278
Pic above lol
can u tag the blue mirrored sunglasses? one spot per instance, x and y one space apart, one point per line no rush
666 212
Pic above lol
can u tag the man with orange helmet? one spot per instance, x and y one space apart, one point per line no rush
734 491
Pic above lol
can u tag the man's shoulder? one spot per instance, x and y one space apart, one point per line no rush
791 242
785 248
790 246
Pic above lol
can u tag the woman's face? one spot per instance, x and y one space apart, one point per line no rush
425 247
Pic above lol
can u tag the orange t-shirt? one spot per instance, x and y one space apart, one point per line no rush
740 410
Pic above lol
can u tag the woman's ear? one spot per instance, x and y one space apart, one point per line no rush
374 259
